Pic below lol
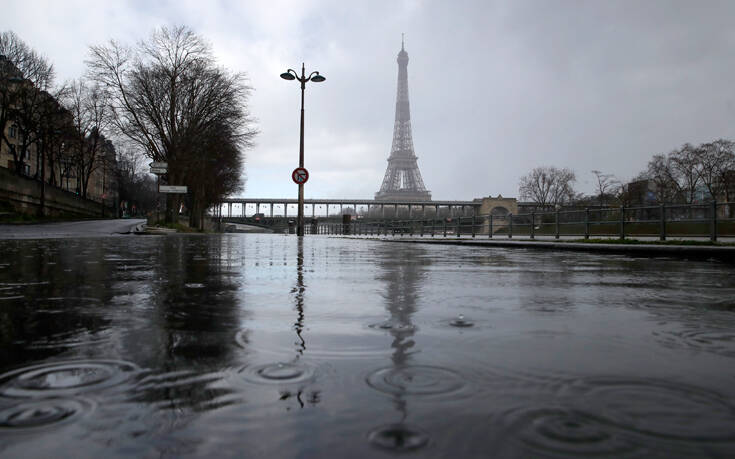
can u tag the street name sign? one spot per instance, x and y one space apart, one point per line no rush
159 168
172 189
300 175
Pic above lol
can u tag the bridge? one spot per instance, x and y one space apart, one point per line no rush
321 207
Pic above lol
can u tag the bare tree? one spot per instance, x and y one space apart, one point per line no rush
216 169
134 186
606 184
548 186
684 164
622 193
89 106
663 176
717 159
166 93
26 81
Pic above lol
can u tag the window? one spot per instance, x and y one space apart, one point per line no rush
13 129
12 150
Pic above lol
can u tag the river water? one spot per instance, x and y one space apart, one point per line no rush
271 346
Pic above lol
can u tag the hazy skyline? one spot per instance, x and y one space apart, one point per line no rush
496 88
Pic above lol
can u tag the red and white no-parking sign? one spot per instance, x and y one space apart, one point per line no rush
300 175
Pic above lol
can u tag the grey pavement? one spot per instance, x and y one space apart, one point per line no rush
74 229
724 253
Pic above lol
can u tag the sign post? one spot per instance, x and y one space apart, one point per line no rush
158 169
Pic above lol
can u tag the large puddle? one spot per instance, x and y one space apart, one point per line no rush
267 345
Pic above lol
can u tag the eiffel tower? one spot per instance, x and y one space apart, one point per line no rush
402 181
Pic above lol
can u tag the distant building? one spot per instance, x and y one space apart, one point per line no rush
640 193
12 78
60 168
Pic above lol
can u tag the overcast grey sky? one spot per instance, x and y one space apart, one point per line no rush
496 88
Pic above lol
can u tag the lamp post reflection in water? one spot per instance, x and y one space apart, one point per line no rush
298 292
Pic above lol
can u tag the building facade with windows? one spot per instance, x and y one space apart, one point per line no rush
48 156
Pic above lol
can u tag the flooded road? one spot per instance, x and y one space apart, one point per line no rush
249 345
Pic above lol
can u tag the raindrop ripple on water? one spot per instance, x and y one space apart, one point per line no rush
563 431
35 414
398 437
65 378
415 380
279 372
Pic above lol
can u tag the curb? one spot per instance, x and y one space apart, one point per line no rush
726 253
155 230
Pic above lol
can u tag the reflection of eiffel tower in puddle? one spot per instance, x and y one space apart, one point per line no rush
402 275
402 181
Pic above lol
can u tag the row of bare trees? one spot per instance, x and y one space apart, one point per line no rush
164 98
26 85
65 126
548 186
685 175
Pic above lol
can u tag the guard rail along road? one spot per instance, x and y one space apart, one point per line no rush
682 221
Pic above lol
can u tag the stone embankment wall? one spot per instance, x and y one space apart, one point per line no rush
23 195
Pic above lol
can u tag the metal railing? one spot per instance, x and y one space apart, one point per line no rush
711 220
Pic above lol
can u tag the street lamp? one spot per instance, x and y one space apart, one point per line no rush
316 78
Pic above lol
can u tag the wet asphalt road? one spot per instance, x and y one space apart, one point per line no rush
266 345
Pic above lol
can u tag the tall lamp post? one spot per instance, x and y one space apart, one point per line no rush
316 78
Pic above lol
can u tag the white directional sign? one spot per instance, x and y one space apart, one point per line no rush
158 171
172 189
158 165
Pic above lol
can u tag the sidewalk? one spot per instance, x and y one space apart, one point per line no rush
72 229
723 253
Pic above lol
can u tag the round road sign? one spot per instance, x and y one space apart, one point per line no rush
300 175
